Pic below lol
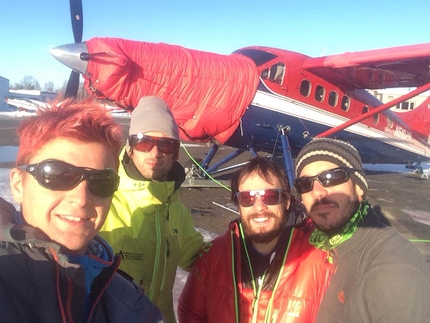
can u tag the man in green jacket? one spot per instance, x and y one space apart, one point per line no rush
147 225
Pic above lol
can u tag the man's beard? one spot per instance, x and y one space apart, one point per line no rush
264 236
351 207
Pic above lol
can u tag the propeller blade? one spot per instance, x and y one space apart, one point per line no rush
72 86
76 15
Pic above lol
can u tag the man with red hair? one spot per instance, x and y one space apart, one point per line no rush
53 266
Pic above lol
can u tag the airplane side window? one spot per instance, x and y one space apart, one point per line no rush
365 109
404 105
376 118
305 88
332 98
389 123
345 103
319 93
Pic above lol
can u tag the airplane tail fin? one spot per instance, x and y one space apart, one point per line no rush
418 118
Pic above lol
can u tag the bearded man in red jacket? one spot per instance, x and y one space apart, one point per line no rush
263 269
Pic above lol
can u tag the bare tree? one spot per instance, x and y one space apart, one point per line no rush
27 83
50 87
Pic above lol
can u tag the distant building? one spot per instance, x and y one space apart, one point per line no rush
43 96
4 91
387 95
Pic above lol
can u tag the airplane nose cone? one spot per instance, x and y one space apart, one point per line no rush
74 56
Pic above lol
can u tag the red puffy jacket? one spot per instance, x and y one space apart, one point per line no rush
214 294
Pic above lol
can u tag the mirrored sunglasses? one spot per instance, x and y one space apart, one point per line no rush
269 196
56 175
145 144
327 178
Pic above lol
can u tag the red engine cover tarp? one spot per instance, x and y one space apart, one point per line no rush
207 92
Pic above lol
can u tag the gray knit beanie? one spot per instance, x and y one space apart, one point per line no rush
153 114
335 151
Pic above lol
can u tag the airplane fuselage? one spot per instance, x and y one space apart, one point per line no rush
306 105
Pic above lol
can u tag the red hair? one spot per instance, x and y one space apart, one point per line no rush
85 121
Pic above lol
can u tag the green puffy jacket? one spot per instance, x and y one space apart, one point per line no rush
154 233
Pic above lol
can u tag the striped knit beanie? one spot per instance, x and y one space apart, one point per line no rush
335 151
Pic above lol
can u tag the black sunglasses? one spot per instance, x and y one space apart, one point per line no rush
328 178
57 175
145 143
269 196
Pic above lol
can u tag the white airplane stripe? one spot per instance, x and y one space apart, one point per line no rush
307 112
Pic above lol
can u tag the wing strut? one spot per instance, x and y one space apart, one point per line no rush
372 112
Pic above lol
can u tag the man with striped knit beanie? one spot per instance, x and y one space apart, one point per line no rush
380 275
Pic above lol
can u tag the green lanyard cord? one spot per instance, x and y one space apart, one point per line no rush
236 301
260 286
278 279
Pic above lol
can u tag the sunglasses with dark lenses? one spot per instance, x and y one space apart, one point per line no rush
327 178
145 144
56 175
269 196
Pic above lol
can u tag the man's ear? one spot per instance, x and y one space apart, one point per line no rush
287 202
360 193
128 149
16 178
176 156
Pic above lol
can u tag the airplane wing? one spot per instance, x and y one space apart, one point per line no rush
403 66
207 92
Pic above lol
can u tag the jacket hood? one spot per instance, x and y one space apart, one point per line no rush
18 233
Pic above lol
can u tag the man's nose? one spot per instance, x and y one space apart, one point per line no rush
155 151
259 205
318 191
80 194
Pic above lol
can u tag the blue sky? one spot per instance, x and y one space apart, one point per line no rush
28 29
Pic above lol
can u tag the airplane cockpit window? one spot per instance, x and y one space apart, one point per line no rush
259 57
265 74
277 73
305 88
332 98
319 93
345 103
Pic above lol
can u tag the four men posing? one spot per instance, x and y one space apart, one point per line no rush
268 267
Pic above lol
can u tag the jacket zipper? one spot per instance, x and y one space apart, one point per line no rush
57 285
166 256
157 255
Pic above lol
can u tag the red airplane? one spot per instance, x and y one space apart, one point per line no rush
264 99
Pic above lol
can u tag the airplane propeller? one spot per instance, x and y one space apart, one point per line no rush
77 26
